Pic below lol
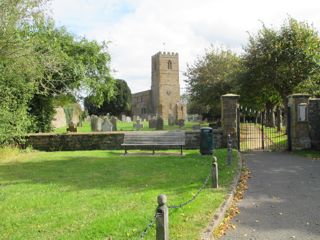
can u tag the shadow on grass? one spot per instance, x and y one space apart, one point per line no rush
134 173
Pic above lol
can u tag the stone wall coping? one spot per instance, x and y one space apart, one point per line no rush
298 95
314 99
73 133
219 130
230 95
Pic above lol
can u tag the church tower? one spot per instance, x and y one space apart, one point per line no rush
165 87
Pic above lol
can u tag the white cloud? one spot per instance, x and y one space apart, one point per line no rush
138 28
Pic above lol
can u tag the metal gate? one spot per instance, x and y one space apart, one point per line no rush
255 133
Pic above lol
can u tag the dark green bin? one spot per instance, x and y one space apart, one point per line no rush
206 141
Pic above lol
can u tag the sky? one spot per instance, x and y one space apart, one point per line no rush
138 29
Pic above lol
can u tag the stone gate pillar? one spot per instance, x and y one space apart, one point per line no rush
314 122
229 118
299 127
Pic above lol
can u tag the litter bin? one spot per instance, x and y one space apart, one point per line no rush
206 141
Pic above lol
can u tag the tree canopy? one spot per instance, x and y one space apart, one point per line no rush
279 63
275 64
119 103
39 61
211 76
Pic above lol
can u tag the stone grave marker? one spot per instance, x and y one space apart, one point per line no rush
114 123
181 123
138 125
171 120
152 123
134 118
106 125
128 119
159 123
72 127
95 123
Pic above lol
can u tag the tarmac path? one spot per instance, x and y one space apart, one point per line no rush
282 200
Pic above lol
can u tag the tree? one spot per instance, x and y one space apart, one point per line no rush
39 61
211 76
18 67
117 104
278 63
67 65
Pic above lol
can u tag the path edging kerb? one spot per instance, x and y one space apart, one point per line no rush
219 214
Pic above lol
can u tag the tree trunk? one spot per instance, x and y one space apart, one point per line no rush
279 119
270 117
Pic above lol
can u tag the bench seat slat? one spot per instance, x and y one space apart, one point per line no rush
154 139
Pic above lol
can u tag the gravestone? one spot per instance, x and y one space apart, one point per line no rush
159 123
95 123
181 123
114 123
106 125
152 123
123 118
72 127
138 125
128 119
171 120
134 118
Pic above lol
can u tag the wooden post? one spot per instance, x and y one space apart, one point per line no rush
162 219
214 170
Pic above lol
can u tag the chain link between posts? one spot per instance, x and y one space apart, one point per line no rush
194 196
153 220
148 227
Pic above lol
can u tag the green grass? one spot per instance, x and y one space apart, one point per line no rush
278 139
105 195
314 154
127 126
275 136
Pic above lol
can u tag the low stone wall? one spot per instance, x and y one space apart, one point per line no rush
102 141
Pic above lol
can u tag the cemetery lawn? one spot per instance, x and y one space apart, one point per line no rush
104 194
128 126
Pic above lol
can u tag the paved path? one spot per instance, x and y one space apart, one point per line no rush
283 199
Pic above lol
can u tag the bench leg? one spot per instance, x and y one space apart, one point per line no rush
181 150
153 151
125 151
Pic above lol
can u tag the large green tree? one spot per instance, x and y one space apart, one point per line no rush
281 62
19 68
119 103
39 61
68 65
278 63
211 76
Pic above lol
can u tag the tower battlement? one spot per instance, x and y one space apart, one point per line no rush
166 54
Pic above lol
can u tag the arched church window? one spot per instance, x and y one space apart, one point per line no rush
169 64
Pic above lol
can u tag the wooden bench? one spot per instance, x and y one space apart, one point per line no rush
154 139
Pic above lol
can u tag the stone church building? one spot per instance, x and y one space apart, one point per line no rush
164 97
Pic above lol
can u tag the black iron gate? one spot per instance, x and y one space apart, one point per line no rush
257 132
